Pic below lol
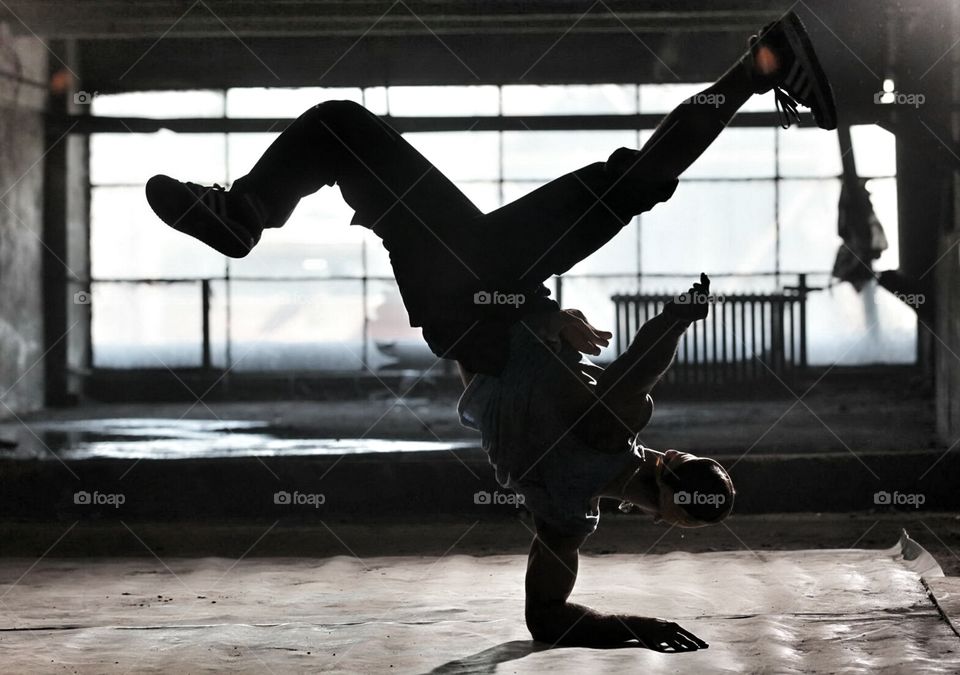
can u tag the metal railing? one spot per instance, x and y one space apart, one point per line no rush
740 327
204 286
745 337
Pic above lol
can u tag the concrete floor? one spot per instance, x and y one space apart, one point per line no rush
789 612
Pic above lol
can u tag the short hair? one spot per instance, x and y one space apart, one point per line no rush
702 488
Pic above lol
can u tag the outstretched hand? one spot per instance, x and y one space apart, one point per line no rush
664 636
694 304
572 327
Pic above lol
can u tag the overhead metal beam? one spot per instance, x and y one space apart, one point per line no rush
219 125
173 63
126 19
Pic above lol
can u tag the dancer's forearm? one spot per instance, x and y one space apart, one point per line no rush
551 574
576 625
637 371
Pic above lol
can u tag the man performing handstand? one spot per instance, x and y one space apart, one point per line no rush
559 430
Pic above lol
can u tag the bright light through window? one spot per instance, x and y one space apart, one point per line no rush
319 294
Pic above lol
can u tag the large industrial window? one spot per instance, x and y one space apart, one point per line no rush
758 209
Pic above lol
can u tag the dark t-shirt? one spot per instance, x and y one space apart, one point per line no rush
480 340
525 416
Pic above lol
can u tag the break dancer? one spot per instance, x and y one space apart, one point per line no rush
559 430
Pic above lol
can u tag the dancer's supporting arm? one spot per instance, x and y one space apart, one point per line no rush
551 575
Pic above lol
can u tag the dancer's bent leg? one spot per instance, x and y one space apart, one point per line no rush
377 170
380 175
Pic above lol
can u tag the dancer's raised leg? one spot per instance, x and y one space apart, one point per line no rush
563 222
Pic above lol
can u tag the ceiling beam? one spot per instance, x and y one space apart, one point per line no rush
86 124
117 19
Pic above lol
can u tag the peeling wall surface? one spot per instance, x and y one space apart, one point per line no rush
21 221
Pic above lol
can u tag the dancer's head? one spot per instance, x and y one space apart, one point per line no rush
694 491
685 490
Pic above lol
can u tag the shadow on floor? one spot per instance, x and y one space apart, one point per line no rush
487 661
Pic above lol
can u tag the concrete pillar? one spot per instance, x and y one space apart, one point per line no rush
23 77
67 300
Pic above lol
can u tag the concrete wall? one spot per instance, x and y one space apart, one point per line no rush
21 220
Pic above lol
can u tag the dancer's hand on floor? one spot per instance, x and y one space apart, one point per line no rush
694 304
664 636
572 327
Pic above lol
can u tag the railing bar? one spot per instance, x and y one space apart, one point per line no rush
795 330
724 324
764 351
713 343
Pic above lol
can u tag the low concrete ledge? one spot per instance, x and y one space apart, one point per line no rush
458 481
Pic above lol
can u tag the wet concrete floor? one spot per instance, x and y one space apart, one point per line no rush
852 610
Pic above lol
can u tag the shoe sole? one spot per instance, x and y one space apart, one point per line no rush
825 113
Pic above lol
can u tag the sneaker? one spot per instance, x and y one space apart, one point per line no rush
799 79
230 223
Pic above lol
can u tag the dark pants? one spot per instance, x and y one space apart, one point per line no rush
443 249
438 240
